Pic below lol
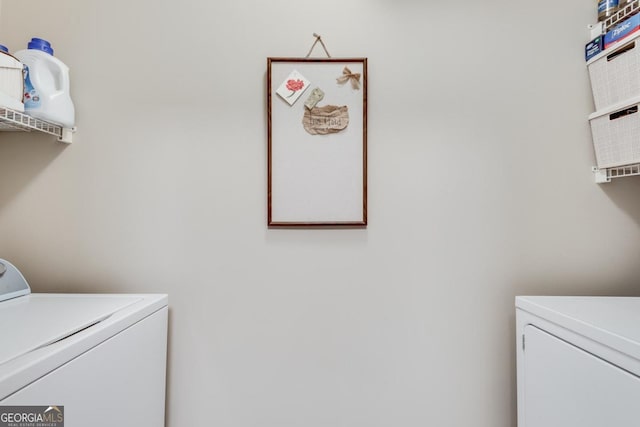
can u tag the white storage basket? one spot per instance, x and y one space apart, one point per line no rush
11 82
616 134
615 74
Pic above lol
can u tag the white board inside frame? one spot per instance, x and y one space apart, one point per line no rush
317 178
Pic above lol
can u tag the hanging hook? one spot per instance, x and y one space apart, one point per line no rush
318 39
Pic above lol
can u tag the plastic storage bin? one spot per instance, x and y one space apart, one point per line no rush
616 134
614 73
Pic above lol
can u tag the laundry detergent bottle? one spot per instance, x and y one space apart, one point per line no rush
46 84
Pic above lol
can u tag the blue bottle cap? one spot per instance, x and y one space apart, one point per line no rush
40 44
4 48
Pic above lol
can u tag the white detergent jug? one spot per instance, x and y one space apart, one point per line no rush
46 84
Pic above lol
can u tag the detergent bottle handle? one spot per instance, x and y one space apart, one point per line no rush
60 74
64 81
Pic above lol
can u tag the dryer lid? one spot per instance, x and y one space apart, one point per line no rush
38 320
612 321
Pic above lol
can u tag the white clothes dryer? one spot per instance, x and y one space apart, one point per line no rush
578 361
99 357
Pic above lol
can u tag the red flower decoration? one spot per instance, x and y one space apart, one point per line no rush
295 85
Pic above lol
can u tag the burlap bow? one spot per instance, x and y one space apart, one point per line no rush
348 75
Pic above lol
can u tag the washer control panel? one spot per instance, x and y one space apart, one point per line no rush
12 282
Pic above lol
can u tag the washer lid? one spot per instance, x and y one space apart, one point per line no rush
37 320
612 321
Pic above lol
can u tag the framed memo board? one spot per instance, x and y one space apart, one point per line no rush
317 142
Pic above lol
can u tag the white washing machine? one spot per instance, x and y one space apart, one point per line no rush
578 361
100 358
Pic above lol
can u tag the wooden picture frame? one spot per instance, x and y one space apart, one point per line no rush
317 155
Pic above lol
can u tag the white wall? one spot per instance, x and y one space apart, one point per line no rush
479 189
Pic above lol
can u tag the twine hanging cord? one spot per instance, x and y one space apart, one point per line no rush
347 75
318 39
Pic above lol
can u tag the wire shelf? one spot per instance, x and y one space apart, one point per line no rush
607 174
622 14
622 171
12 121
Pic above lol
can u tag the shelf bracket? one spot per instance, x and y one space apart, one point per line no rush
66 135
596 30
602 176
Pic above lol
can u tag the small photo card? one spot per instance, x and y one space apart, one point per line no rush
293 86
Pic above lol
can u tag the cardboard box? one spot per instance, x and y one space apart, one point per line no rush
593 48
622 31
